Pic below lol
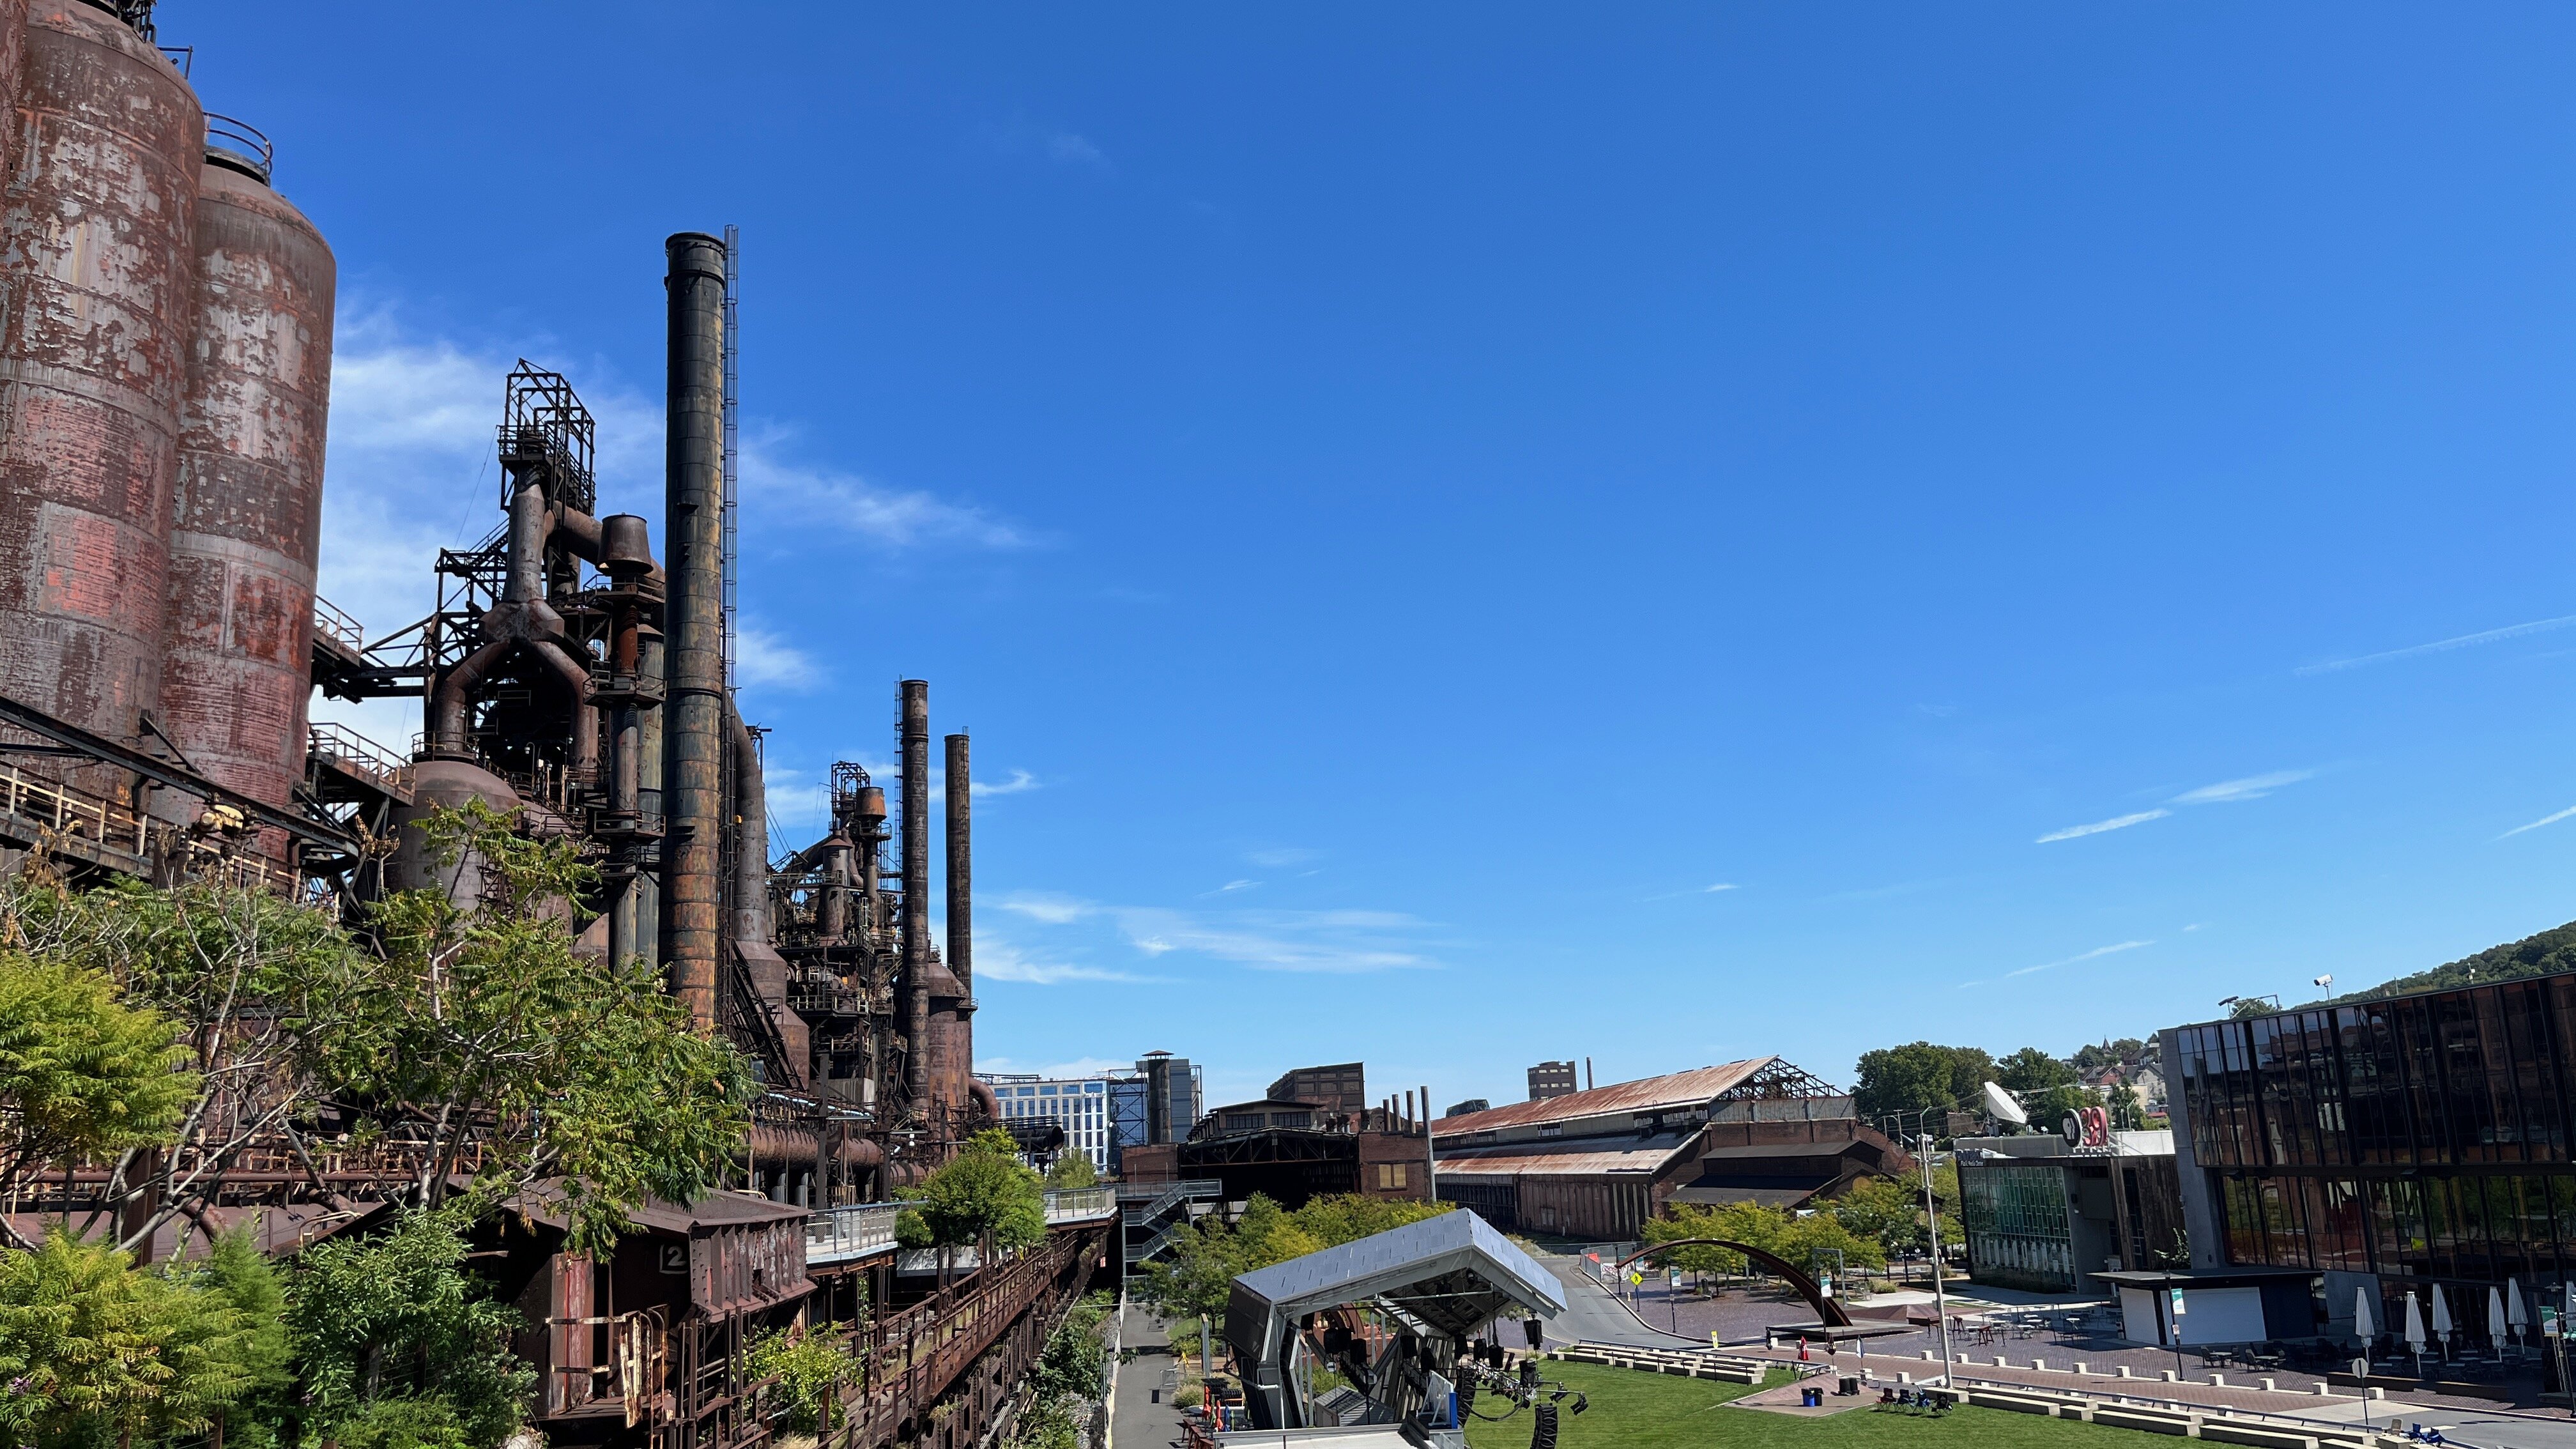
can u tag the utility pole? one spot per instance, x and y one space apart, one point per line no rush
1940 1299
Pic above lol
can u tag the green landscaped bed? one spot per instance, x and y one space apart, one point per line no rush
1634 1410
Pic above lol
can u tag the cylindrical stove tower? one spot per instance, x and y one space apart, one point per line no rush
247 532
96 240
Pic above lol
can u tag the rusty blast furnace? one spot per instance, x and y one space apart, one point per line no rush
165 370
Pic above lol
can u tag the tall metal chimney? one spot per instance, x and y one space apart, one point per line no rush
693 514
916 886
961 868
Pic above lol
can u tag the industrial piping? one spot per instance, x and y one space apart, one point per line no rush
693 743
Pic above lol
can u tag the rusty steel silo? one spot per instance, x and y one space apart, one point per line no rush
246 531
95 239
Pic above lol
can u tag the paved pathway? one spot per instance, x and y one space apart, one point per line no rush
1136 1421
1592 1315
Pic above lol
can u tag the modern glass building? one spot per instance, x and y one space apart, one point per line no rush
2412 1141
1080 1105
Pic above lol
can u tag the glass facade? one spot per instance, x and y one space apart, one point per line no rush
2015 1216
1080 1105
2421 1136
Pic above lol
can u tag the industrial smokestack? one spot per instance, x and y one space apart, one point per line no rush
693 734
751 835
961 868
916 885
1587 1074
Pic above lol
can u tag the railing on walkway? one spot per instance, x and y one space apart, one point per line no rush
838 1235
113 827
1081 1205
910 1359
337 624
358 754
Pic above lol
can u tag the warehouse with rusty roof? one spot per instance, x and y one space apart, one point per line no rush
1598 1164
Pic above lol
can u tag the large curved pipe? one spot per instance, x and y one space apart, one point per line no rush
984 1098
447 703
585 719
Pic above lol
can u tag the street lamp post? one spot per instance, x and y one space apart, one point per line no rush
1940 1299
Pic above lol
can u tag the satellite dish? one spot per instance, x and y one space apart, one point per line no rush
2000 1105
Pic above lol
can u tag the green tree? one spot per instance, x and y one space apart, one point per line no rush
2048 1088
82 1074
1201 1268
397 1341
1918 1076
2128 1051
810 1365
1072 1170
494 1035
1811 1241
238 1277
2128 1109
95 1351
1348 1217
984 1196
1885 1210
258 992
2033 1070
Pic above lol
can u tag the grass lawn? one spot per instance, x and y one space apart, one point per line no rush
1635 1410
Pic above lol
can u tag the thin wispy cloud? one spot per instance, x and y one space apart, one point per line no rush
2095 954
1054 910
1021 782
2098 827
1003 961
1283 856
1333 942
1706 890
762 658
2535 825
2440 646
1234 885
1076 150
891 517
2225 792
2252 787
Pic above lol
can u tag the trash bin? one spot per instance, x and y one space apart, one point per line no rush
1851 1385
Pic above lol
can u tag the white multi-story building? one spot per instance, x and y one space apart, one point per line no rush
1078 1104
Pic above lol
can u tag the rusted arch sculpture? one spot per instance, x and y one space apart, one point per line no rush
1828 1312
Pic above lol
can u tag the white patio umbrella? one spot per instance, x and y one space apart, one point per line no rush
2516 1316
2415 1324
2362 1326
2495 1319
2442 1317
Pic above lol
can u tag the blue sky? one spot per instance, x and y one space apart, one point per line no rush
1482 533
